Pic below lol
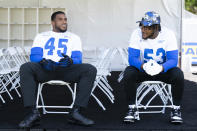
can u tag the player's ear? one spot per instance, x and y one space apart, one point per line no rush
159 27
156 28
52 23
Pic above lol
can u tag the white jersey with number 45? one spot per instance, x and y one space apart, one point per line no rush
53 44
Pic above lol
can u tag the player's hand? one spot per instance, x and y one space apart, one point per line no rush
65 61
148 65
152 68
48 64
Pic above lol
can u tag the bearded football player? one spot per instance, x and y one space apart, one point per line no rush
56 55
153 56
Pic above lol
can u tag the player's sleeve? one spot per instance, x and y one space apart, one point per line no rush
134 58
134 51
171 52
76 53
36 54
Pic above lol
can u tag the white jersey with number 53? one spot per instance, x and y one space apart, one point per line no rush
154 48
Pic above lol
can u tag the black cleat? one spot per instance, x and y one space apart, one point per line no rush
130 116
176 116
30 120
76 118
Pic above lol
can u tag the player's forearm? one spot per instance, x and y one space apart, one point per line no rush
135 62
171 60
133 57
36 54
76 57
169 64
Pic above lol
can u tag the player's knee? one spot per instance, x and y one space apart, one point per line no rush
130 72
180 75
91 69
24 67
177 74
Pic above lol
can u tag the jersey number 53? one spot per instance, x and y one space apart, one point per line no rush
159 56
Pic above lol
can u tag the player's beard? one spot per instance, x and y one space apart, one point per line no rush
61 30
150 36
